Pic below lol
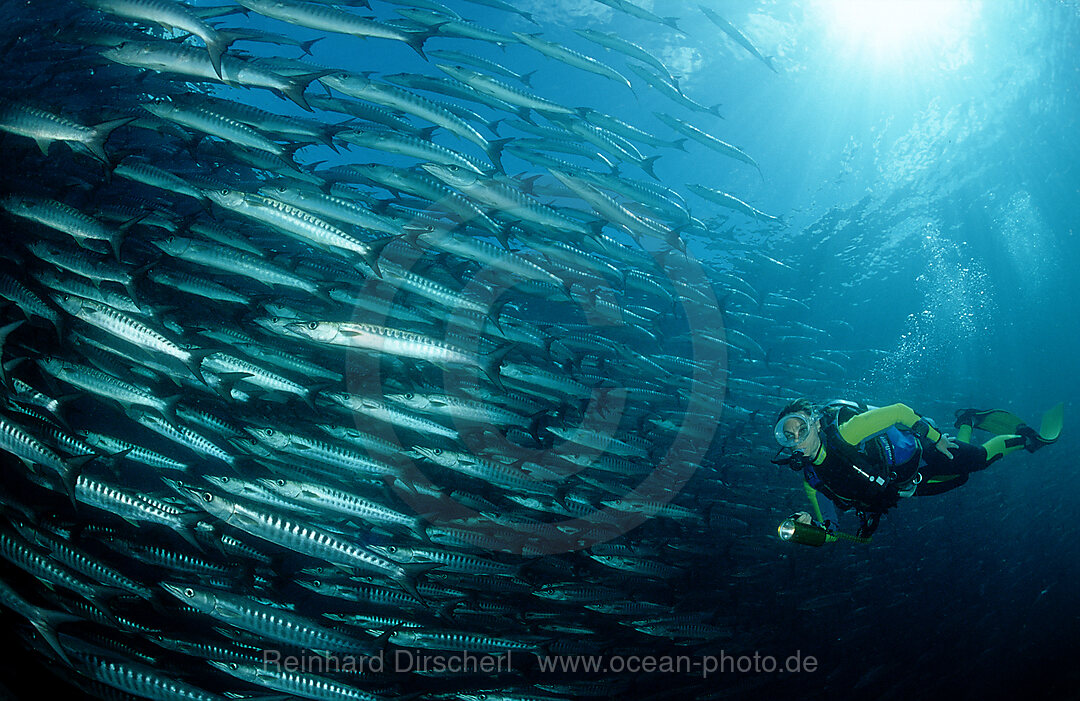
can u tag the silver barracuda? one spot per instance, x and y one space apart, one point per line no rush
173 15
298 224
396 342
331 19
45 128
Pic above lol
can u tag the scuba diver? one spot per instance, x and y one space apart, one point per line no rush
868 458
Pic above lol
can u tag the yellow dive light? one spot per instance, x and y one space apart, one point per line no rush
802 529
794 530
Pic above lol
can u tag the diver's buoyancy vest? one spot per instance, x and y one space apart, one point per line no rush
865 476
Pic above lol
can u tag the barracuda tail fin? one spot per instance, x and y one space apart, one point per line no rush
46 622
4 333
416 40
491 362
297 86
216 46
96 144
413 571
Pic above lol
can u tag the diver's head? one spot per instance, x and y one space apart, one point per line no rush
797 427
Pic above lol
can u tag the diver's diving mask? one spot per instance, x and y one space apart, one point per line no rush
793 429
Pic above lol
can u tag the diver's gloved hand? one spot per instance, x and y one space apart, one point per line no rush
804 517
945 445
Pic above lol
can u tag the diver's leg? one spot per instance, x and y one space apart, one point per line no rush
941 474
1000 446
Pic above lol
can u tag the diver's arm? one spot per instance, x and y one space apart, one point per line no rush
823 509
859 428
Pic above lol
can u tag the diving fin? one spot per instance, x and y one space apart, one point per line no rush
1004 423
1049 429
996 421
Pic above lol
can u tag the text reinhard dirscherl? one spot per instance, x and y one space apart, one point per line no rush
463 661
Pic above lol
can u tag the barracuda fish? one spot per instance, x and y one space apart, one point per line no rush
232 261
708 139
509 201
397 342
190 284
452 25
598 440
209 122
653 195
672 91
383 411
263 120
615 212
489 471
171 15
167 57
731 202
633 10
317 451
332 207
536 151
149 174
64 218
571 57
626 47
141 680
460 409
452 562
331 19
126 328
460 57
610 142
84 263
265 621
653 508
110 445
182 435
442 295
105 385
293 683
27 300
740 38
81 563
420 149
45 622
391 119
45 128
359 86
431 189
303 539
499 90
455 640
344 504
226 364
299 224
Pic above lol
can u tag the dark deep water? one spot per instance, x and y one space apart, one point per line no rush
926 185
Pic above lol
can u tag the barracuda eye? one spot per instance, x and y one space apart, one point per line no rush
313 325
269 431
223 192
224 480
316 583
207 497
189 593
437 451
391 549
281 483
233 665
408 395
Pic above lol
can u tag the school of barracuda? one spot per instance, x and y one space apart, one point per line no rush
438 383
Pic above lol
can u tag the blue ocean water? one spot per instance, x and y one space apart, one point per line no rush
926 185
